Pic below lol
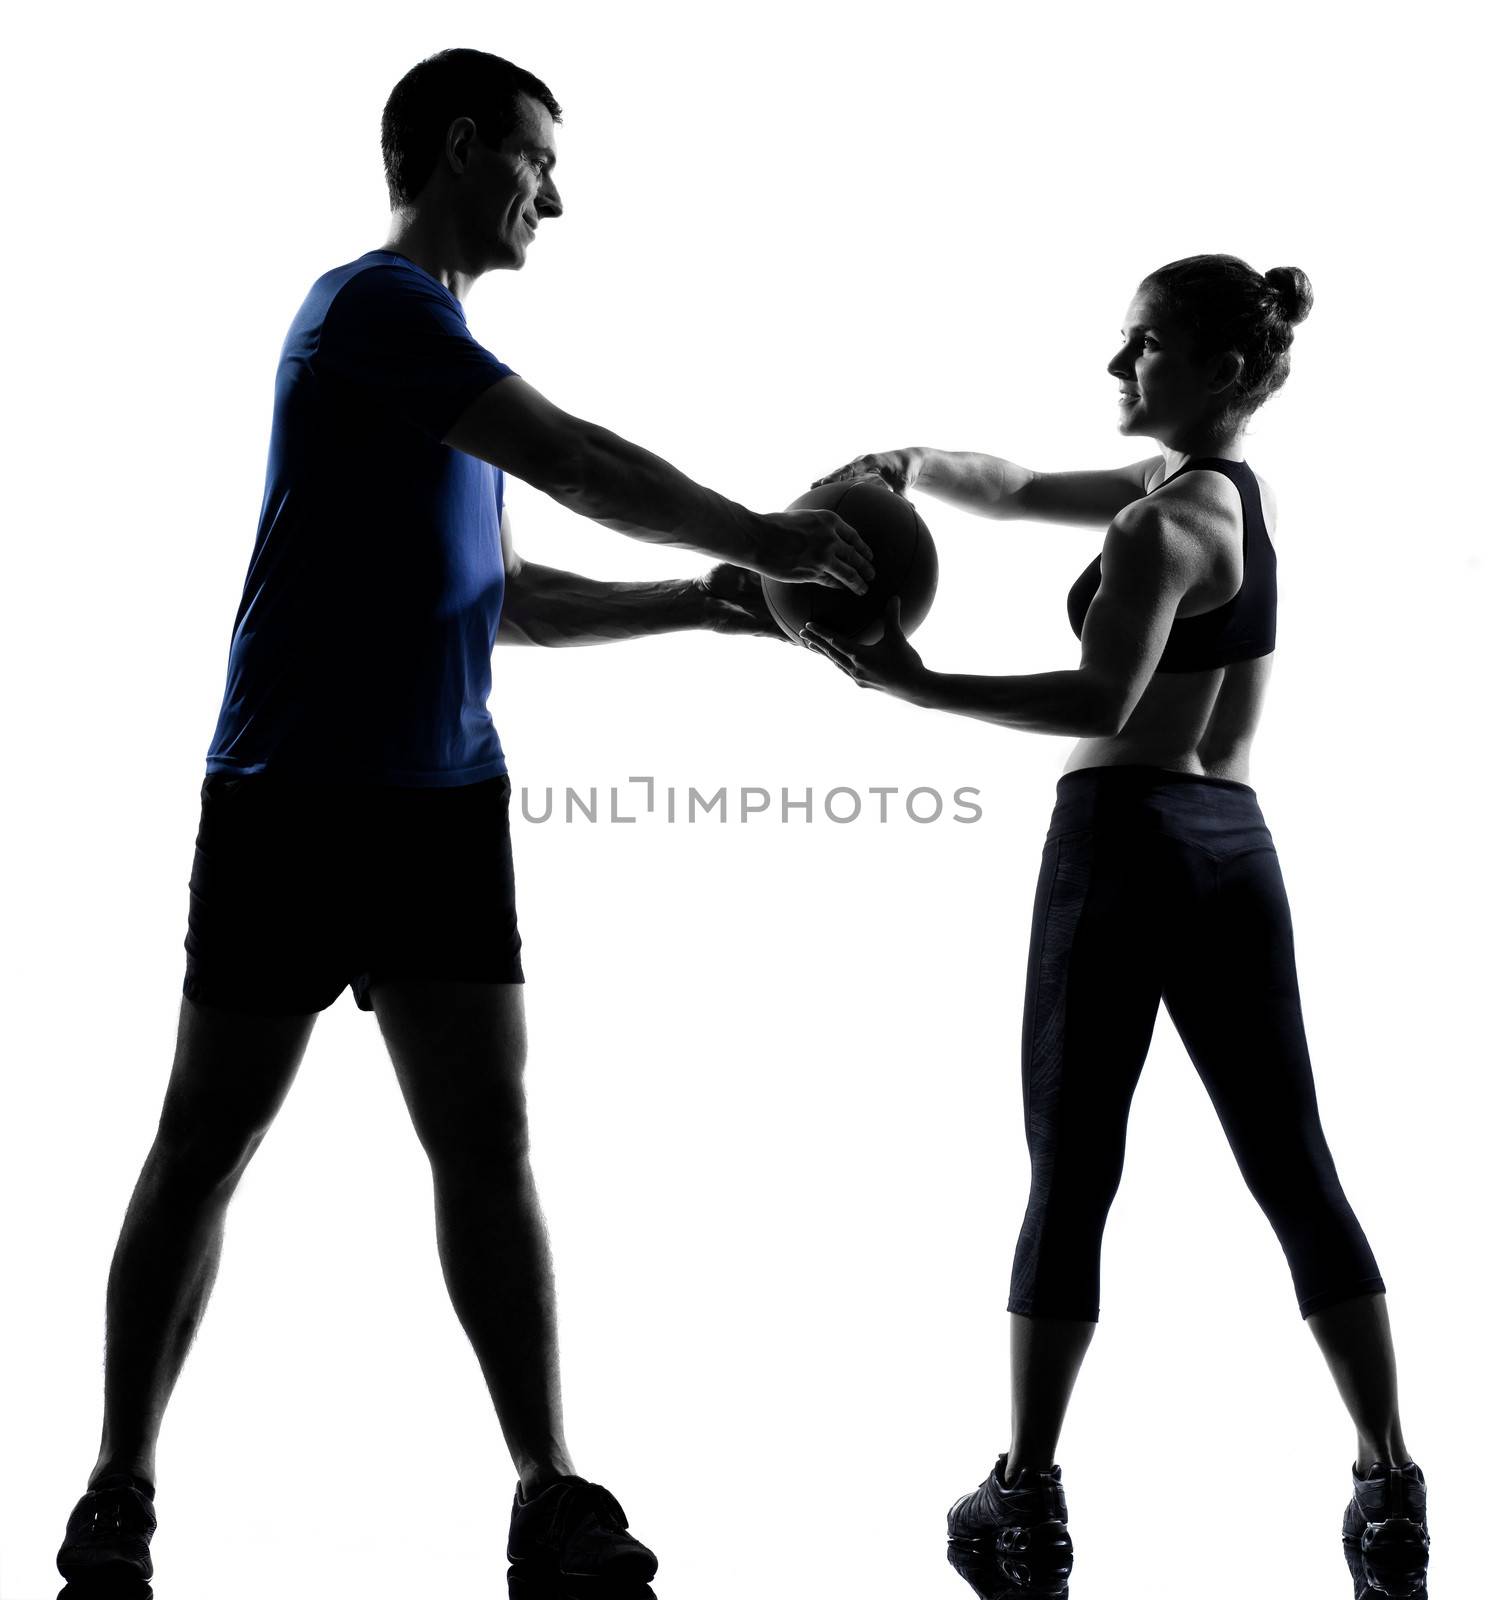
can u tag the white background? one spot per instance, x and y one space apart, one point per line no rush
774 1067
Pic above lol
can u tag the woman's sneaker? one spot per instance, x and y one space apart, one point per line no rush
1387 1516
577 1529
109 1533
1029 1517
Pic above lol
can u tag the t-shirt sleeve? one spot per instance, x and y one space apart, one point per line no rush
402 341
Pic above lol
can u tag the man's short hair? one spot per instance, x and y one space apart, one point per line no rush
430 98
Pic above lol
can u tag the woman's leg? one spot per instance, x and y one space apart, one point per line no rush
1046 1356
1355 1336
1232 990
1092 997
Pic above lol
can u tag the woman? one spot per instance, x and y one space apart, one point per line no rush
1159 878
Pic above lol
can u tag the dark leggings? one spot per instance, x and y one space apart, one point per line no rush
1160 885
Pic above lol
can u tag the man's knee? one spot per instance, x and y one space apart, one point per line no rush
202 1159
488 1142
229 1078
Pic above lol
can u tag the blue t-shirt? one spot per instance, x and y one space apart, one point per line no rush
362 649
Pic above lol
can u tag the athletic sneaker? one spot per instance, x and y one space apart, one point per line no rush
1387 1517
578 1529
1028 1517
109 1533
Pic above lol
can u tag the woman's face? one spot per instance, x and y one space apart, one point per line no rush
1167 392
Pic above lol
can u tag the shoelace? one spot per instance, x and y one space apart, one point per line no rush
108 1513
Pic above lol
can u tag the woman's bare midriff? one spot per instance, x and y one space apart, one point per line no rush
1198 722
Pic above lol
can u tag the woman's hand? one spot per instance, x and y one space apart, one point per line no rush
892 664
899 469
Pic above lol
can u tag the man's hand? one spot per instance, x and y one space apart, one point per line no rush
899 469
735 604
813 547
892 664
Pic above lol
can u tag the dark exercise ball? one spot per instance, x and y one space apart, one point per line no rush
902 552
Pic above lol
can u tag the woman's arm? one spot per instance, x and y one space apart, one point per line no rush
989 486
1148 564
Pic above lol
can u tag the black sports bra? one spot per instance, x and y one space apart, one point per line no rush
1245 627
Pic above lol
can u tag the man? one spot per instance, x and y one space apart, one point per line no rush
355 812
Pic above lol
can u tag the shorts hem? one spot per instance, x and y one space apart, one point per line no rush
366 980
217 998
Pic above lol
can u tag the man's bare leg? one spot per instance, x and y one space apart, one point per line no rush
458 1051
229 1077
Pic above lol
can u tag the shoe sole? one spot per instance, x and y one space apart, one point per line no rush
1398 1535
97 1574
1041 1539
633 1571
1396 1538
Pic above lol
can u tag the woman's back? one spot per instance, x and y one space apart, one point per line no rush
1199 721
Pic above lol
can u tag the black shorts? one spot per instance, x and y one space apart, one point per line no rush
299 889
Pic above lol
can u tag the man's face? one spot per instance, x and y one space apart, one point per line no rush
513 187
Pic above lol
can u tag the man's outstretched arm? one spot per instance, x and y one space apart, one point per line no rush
604 477
545 606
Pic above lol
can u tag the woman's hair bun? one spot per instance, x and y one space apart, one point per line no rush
1293 290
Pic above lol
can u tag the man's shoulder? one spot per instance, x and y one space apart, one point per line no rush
377 289
375 273
381 324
